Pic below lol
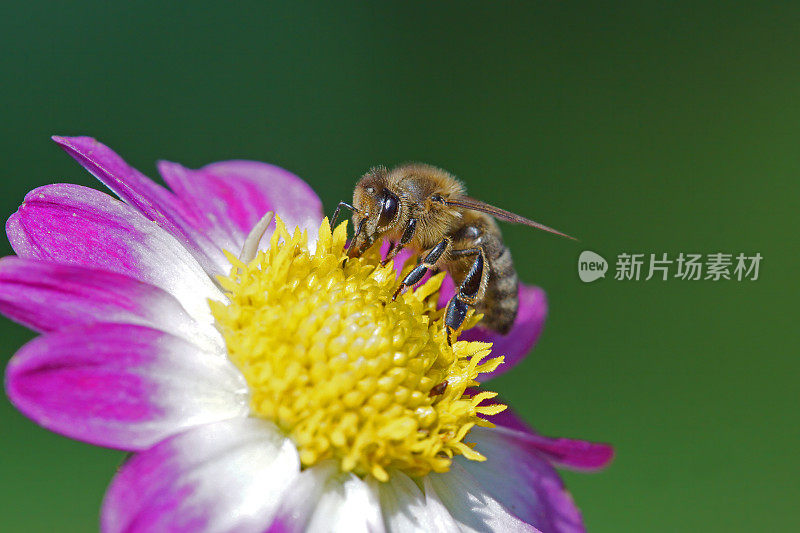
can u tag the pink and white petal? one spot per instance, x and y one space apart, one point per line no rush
472 506
234 195
524 481
347 504
518 342
150 199
49 296
77 225
573 454
122 386
407 509
226 476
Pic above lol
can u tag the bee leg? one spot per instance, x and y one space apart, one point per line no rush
356 252
408 234
429 261
336 213
467 295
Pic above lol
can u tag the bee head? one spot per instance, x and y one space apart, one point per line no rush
377 209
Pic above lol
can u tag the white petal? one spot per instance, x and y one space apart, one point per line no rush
406 508
302 497
469 504
347 505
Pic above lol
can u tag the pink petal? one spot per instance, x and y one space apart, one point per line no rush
153 201
227 476
526 484
234 195
76 225
50 296
122 386
565 453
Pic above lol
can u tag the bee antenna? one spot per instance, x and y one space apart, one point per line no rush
336 212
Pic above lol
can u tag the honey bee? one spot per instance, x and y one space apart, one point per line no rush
424 209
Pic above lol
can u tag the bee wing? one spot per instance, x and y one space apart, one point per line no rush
501 214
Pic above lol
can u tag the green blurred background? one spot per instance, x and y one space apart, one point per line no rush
639 127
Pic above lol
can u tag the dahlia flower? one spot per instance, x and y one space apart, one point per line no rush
261 381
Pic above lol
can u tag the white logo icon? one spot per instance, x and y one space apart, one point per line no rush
591 266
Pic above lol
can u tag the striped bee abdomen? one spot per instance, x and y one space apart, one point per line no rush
501 300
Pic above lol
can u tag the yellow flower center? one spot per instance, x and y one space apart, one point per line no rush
343 370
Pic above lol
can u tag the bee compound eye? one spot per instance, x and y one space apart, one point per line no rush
389 206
